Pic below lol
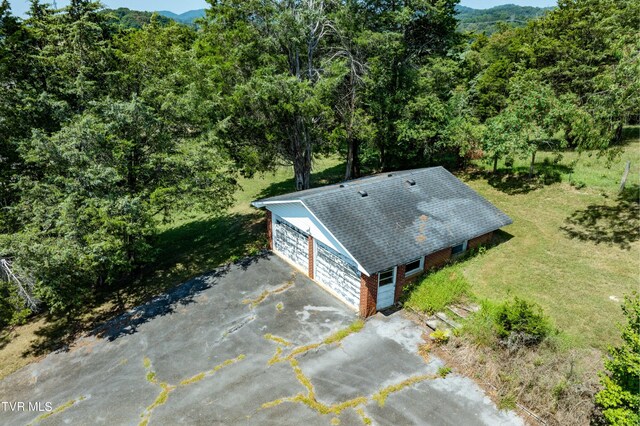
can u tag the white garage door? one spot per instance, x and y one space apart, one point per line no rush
292 243
337 273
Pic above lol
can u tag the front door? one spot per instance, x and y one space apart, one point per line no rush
386 288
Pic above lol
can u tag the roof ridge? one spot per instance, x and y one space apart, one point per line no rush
306 193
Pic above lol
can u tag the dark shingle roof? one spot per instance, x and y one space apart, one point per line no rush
397 222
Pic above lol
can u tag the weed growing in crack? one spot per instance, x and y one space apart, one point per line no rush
309 399
57 410
444 371
365 420
277 339
339 335
167 388
381 396
265 294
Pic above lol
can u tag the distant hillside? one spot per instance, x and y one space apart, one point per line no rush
486 20
128 18
480 20
185 18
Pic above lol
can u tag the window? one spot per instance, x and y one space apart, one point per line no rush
414 266
386 277
458 249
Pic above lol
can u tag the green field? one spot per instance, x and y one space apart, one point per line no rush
574 251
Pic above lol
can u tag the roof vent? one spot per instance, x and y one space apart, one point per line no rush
390 174
363 193
411 182
342 185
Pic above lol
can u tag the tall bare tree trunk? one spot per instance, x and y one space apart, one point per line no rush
302 155
302 66
533 161
353 159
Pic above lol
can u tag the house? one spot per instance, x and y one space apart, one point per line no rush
365 239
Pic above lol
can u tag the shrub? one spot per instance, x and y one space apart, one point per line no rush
521 322
619 400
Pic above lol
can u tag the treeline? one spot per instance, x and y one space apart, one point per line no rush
128 18
107 131
490 20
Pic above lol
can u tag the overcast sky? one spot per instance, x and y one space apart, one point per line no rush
19 7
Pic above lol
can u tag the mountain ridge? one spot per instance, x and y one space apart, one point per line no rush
470 19
187 17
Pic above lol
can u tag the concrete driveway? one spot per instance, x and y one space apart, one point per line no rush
252 344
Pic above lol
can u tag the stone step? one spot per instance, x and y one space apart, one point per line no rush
445 319
436 324
459 311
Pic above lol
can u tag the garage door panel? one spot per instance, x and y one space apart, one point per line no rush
337 273
292 243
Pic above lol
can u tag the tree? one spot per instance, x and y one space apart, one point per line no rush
353 122
102 184
276 112
463 133
534 117
619 399
403 40
586 48
502 137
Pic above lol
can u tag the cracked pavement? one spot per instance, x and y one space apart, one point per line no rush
246 345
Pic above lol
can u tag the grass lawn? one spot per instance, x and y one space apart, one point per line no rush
574 251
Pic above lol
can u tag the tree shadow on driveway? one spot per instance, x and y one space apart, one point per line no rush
185 254
616 224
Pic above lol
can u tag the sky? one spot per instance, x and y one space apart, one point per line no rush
19 7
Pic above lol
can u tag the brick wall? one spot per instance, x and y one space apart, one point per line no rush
437 259
310 256
402 280
269 230
368 294
481 240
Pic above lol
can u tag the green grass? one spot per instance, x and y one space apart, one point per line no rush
438 289
573 251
